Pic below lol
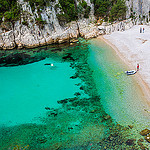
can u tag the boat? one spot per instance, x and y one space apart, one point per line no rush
131 72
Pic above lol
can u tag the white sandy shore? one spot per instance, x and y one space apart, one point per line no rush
134 47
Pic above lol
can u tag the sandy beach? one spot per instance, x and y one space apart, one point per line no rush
133 47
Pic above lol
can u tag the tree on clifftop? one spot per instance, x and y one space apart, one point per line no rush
118 11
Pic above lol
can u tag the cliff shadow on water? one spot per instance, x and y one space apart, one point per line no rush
81 122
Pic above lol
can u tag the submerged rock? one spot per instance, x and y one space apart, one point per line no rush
42 139
145 132
107 117
47 108
130 141
62 101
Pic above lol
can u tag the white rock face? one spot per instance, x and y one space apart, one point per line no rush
33 35
140 9
119 26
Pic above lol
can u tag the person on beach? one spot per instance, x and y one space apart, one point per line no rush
137 67
140 30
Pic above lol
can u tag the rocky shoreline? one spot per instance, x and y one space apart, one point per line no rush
23 37
29 33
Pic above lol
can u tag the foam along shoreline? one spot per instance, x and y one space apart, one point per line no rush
132 47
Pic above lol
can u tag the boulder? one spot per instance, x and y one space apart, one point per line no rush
145 132
130 141
107 117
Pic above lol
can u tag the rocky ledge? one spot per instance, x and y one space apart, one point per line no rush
24 37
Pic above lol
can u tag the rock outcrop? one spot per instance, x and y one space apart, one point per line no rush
30 34
106 28
138 10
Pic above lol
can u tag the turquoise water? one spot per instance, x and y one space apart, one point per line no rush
85 101
120 94
26 90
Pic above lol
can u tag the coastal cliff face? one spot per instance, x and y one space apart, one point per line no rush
46 26
139 10
29 33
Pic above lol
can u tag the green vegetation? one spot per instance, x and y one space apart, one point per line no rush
109 10
118 11
112 9
10 10
69 9
25 23
38 3
87 11
102 7
39 21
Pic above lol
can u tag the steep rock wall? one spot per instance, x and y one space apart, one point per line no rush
33 35
139 10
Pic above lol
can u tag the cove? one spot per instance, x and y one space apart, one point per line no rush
91 103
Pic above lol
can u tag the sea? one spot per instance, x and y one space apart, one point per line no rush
70 97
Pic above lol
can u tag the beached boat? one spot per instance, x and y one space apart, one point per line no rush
131 72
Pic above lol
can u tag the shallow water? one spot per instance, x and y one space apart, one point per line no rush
121 97
90 110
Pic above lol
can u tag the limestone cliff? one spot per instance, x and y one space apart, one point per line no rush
32 34
139 10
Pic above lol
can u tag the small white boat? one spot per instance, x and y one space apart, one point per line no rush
131 72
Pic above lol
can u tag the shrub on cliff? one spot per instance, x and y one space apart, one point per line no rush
38 3
87 11
118 11
10 10
63 19
83 9
40 22
69 8
101 7
113 9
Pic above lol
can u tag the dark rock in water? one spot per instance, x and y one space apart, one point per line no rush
53 113
57 50
130 141
77 94
68 56
141 140
18 58
70 128
130 126
42 140
107 117
81 88
73 77
62 101
47 108
145 132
